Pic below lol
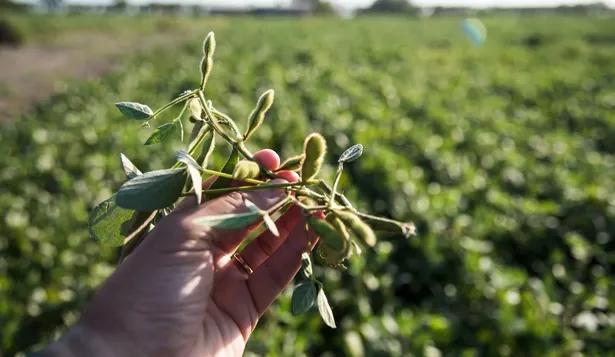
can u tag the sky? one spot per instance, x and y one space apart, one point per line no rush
363 3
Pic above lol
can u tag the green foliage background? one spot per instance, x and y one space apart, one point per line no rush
502 154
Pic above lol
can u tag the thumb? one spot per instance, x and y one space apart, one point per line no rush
234 203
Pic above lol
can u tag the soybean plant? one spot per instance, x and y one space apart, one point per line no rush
127 216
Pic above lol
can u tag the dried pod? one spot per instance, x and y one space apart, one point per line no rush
246 169
291 164
358 227
330 256
257 116
314 150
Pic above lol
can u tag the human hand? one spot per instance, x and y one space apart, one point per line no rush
181 294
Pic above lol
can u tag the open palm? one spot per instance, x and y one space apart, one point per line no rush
181 294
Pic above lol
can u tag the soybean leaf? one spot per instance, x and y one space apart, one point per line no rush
325 309
162 133
197 129
271 225
152 191
352 153
134 110
253 208
306 264
109 223
304 296
197 183
183 156
223 182
229 221
129 168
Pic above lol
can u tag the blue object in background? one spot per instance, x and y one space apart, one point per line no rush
475 29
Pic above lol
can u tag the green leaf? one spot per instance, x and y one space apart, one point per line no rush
197 129
129 168
183 156
306 264
352 153
109 223
223 182
228 221
134 110
271 225
152 191
162 133
325 309
304 296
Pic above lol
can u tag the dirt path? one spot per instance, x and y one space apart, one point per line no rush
30 74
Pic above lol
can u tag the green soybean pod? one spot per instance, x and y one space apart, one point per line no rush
340 227
359 228
291 164
314 150
207 63
257 116
246 169
194 105
330 256
328 234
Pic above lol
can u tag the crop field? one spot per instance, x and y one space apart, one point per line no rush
503 154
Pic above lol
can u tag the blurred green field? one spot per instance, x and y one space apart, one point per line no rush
502 154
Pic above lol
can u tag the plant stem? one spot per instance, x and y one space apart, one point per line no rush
212 119
249 188
325 186
172 103
340 168
225 119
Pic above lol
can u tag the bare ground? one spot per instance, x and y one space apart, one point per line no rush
29 74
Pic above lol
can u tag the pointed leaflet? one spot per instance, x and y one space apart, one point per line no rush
195 172
266 218
152 191
223 182
109 223
325 309
352 153
134 110
229 221
129 168
304 296
162 133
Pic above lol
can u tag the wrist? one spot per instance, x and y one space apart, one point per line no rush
80 341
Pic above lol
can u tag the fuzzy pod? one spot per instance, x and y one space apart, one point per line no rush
308 201
196 110
209 45
328 234
207 64
291 164
246 169
257 116
340 227
314 150
359 228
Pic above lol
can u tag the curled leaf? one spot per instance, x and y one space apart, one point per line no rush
325 310
130 169
209 143
352 153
